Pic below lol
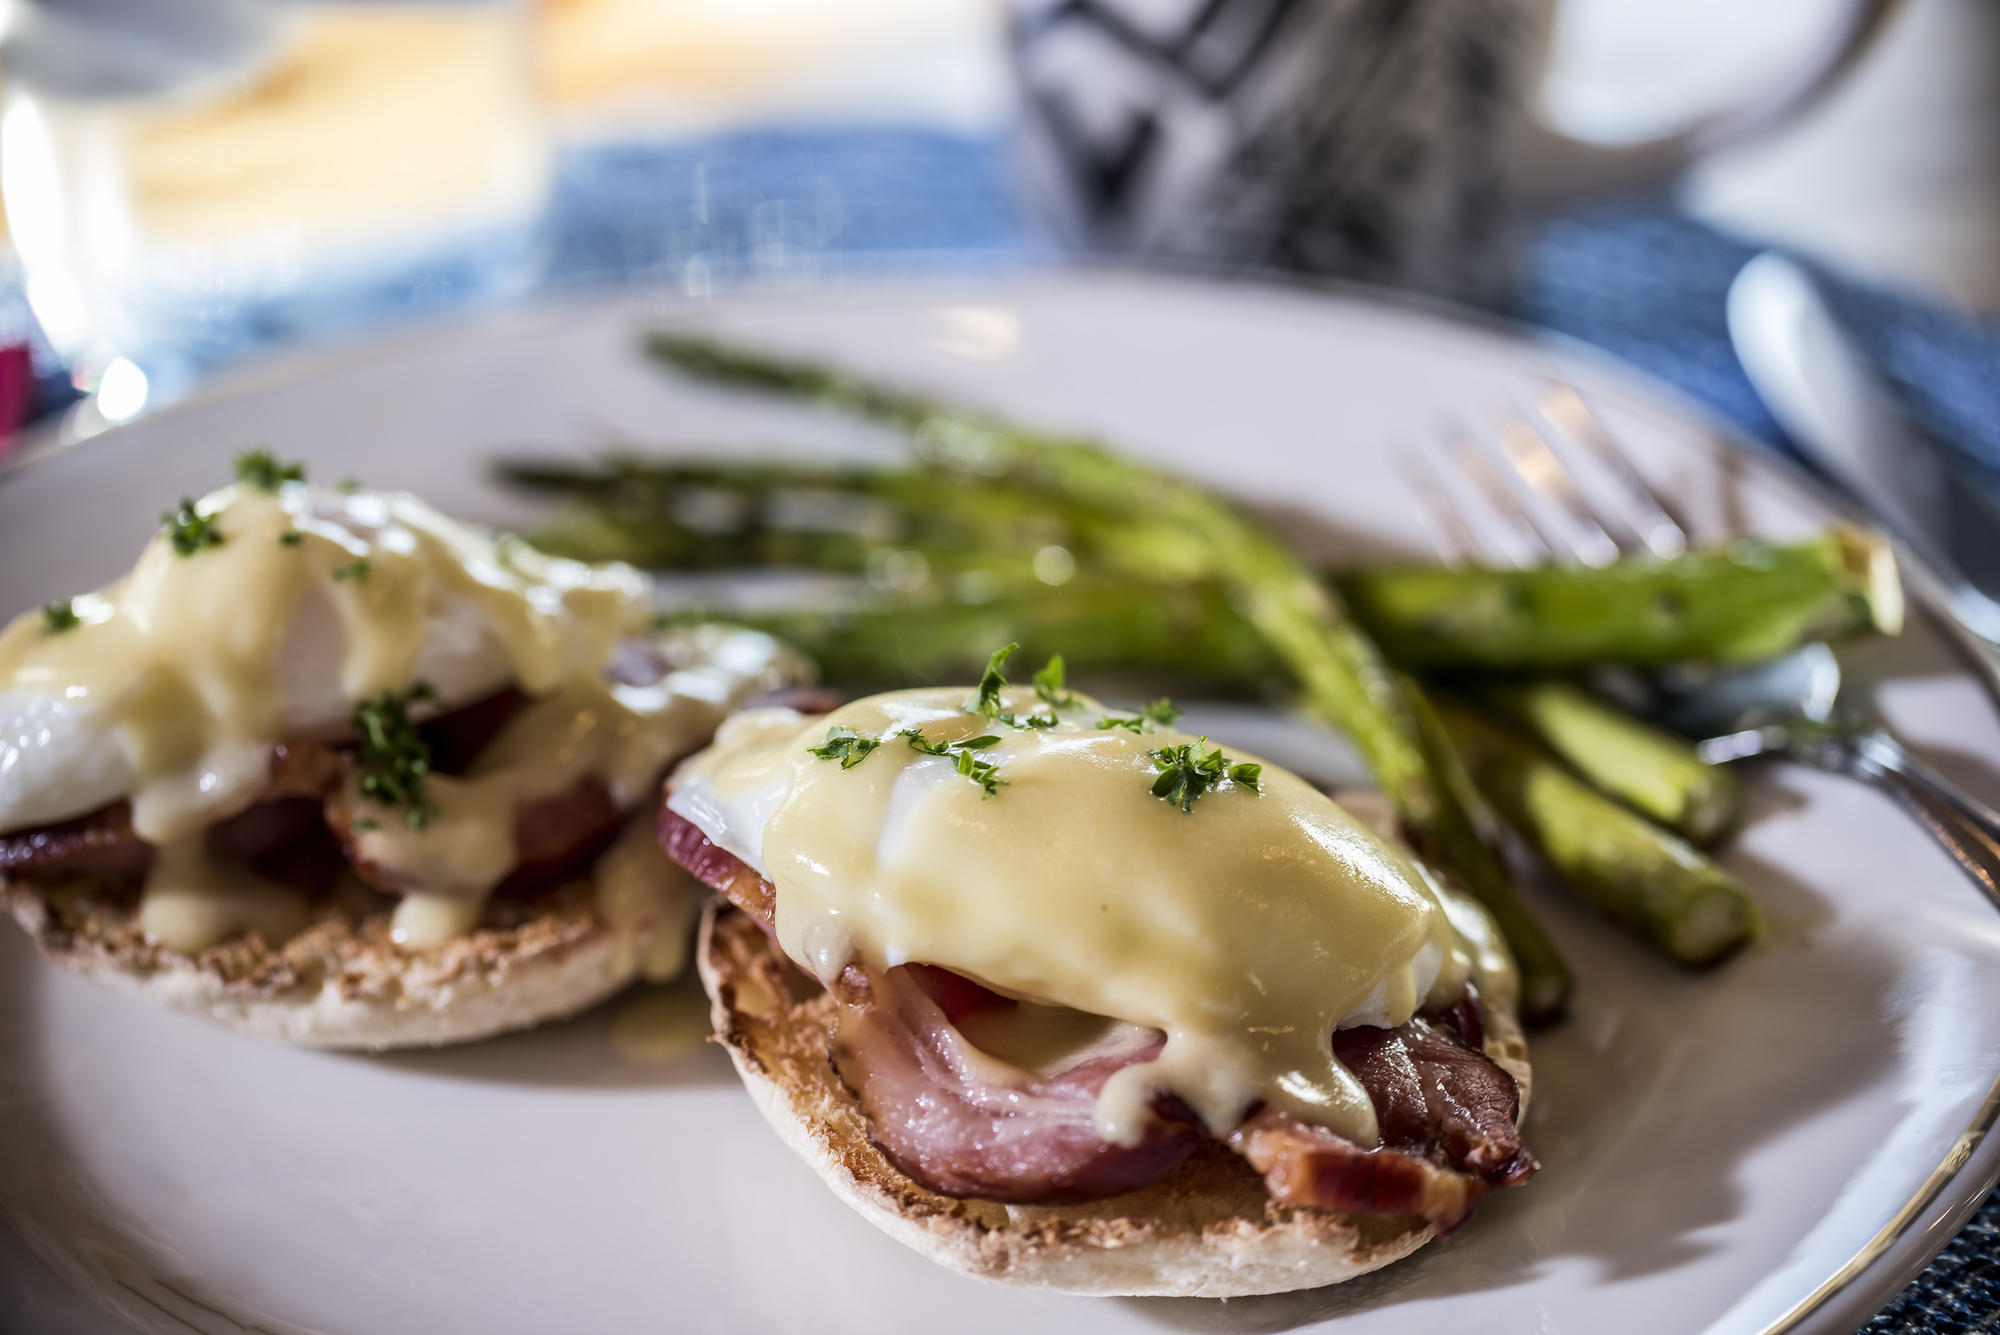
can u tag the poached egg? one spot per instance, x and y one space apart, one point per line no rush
1246 926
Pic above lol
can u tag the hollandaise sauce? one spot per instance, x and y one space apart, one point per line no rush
1246 925
269 613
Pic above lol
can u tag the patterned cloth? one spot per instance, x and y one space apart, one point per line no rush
1960 1293
777 207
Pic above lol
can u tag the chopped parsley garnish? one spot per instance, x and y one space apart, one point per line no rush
347 486
367 823
393 755
1052 688
1192 768
258 469
356 570
963 755
1160 714
59 616
189 530
846 745
985 698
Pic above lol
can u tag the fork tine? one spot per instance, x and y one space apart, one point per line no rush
1527 538
1468 483
1451 534
1539 468
1661 527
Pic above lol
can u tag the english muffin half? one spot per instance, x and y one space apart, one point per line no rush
1209 1229
335 767
1063 997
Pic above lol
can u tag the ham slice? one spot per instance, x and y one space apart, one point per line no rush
556 835
1446 1113
456 737
1436 1093
282 829
553 837
963 1123
717 868
101 843
290 832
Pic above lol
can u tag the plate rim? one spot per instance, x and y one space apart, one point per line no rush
1912 1237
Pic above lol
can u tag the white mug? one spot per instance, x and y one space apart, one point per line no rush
1392 141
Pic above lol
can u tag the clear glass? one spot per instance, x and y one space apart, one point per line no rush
181 180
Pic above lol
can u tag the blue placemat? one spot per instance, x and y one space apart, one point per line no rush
777 206
764 206
1649 286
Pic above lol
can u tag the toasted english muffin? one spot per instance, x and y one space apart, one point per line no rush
1208 1229
343 982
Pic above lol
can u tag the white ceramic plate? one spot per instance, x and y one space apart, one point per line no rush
1730 1152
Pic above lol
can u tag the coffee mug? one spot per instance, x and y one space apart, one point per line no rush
1392 141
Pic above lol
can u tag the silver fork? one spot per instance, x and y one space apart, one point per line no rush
1790 706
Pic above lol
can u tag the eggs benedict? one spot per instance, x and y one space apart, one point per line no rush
328 764
1062 996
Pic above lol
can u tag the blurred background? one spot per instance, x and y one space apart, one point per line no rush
188 186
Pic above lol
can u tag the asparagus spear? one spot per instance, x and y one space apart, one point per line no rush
935 570
1656 774
1463 841
1272 589
1185 634
595 534
726 496
1302 621
830 517
1737 603
1652 881
708 516
1734 603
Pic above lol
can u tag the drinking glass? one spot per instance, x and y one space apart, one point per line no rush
184 180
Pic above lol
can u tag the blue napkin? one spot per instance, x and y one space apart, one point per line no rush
765 206
1649 285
